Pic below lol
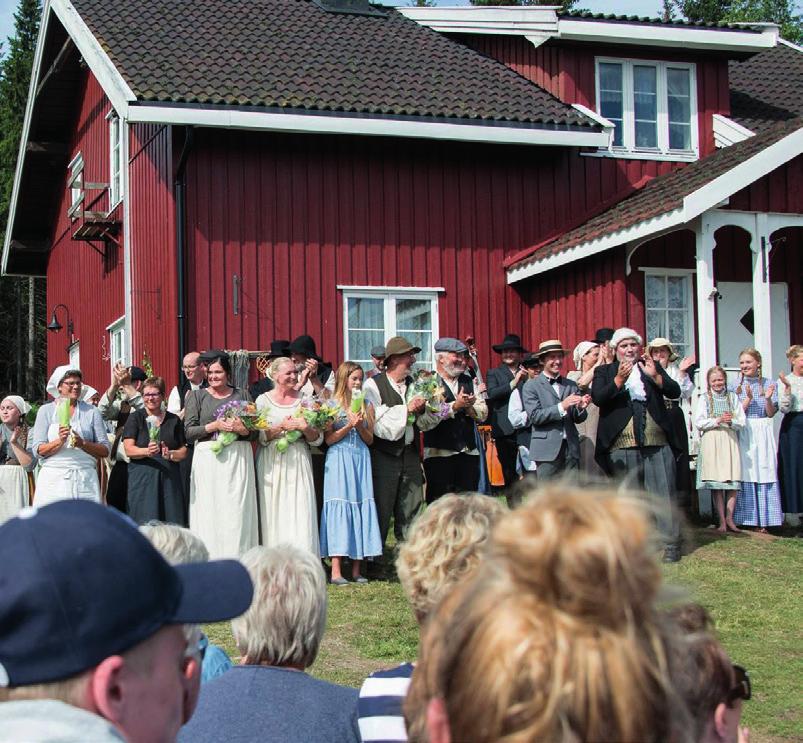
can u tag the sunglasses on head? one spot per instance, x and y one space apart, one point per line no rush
742 688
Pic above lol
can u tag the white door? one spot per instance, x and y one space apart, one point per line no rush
735 329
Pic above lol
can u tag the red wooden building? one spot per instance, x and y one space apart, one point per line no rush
193 178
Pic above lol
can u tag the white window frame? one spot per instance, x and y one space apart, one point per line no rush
115 147
117 335
662 151
74 355
390 294
75 169
688 274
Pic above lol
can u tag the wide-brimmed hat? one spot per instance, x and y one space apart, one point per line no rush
209 356
511 342
398 345
550 346
63 610
662 343
278 348
305 346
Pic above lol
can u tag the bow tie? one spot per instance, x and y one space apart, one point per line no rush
556 380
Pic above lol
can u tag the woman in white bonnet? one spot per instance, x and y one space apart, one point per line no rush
635 437
16 459
68 454
587 357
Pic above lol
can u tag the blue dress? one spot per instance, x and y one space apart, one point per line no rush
349 523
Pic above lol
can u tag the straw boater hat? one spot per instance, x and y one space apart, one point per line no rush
511 342
662 343
550 346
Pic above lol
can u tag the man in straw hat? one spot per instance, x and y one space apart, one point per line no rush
554 406
395 461
501 381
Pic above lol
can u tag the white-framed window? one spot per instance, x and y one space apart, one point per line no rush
653 106
669 307
115 159
117 342
76 185
74 353
372 315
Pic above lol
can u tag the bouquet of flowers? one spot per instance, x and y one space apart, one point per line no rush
317 412
425 384
252 419
153 428
63 414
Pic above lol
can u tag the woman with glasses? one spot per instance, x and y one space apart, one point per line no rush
154 442
68 453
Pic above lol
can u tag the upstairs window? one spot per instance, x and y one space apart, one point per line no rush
651 104
76 185
115 157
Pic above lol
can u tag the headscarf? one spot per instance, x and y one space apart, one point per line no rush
580 350
88 392
57 377
623 333
21 405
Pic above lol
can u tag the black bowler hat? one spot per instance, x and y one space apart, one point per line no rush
511 342
603 335
279 348
138 374
305 346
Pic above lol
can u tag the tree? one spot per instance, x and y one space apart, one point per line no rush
565 5
744 11
22 301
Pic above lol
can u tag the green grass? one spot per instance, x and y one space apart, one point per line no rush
752 586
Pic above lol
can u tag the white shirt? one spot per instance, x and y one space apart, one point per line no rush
391 420
174 399
427 421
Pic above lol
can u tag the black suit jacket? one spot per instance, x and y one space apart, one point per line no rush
615 409
497 382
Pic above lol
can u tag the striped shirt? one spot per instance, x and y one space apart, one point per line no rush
381 718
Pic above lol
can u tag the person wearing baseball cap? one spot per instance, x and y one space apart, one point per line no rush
395 462
94 642
451 453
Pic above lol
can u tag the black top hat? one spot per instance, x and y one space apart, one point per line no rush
279 348
603 335
305 346
511 342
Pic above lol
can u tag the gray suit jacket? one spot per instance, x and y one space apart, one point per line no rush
548 426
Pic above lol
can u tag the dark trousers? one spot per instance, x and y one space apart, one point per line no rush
454 474
508 450
562 466
398 490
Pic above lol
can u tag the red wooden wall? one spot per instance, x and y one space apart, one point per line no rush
89 284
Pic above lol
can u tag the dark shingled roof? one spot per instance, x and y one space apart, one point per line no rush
767 88
294 55
659 196
613 18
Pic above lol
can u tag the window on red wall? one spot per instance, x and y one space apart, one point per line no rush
652 106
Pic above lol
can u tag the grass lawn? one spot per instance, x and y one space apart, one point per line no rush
751 585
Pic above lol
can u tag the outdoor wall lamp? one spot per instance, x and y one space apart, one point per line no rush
54 325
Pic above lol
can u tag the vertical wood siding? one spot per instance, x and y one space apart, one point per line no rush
90 285
153 258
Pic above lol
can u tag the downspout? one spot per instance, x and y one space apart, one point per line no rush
180 186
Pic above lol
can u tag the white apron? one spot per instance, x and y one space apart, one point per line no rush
757 451
14 490
68 474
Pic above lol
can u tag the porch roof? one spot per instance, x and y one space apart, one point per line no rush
667 201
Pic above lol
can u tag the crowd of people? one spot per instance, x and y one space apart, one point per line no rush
395 443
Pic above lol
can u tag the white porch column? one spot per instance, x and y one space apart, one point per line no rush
762 319
706 294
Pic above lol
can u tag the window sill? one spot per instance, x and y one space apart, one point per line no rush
675 157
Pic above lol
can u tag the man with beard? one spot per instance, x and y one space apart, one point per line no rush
502 380
451 454
395 461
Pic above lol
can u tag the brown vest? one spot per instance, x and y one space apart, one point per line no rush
390 397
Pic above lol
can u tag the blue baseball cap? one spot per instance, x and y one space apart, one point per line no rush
79 583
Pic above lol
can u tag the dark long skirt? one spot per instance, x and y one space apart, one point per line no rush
790 463
682 471
155 491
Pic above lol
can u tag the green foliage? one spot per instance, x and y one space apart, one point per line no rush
781 12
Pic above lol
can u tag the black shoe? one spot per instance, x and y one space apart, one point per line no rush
672 554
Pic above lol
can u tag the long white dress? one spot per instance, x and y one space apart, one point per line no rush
285 487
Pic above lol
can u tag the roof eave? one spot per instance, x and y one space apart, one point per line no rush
380 126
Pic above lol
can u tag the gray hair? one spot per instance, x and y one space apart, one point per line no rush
287 618
176 544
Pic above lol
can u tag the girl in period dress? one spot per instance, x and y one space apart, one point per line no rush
790 443
285 487
349 522
719 468
758 502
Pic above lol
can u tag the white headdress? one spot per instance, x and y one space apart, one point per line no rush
22 406
57 377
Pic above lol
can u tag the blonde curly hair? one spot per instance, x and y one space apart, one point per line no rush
443 547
